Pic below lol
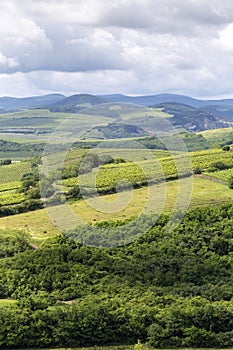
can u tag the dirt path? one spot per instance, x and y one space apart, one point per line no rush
207 177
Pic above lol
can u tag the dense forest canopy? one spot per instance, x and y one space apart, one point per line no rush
167 289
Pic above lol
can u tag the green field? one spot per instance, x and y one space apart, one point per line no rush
5 186
37 125
13 172
161 279
6 302
38 224
223 175
145 167
10 197
216 134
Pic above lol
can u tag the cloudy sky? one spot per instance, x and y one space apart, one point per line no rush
109 46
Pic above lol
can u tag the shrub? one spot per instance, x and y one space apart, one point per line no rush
226 148
5 162
230 182
215 166
197 170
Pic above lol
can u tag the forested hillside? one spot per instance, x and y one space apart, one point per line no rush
167 289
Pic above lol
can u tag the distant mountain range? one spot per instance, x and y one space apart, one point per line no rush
14 103
187 112
193 119
86 100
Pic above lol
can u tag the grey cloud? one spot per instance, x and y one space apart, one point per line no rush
125 46
177 16
81 50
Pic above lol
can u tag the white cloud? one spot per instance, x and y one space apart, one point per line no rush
18 84
226 38
7 62
129 46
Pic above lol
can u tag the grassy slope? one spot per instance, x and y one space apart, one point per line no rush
43 119
216 133
205 192
6 302
218 136
152 112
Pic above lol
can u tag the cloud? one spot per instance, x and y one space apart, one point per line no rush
129 46
225 38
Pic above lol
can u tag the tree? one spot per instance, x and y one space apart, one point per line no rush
226 148
6 162
230 182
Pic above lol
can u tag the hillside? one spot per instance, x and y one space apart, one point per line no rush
155 99
223 111
115 131
42 114
166 290
84 100
191 118
75 103
13 103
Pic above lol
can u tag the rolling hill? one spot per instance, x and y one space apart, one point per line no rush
155 99
193 119
149 100
14 103
41 114
115 131
223 111
87 100
75 103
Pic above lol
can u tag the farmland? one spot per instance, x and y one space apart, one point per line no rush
39 225
10 176
35 126
152 170
124 168
10 197
13 172
51 281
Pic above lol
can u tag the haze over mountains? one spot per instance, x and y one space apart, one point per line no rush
187 113
59 100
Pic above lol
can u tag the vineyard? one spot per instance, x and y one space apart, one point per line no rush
10 176
9 186
13 172
9 197
204 159
106 171
223 175
156 169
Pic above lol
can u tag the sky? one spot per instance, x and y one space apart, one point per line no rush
134 47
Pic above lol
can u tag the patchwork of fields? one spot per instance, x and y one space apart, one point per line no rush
147 171
48 279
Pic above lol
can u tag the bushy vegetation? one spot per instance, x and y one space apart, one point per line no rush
104 174
20 150
167 289
223 175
